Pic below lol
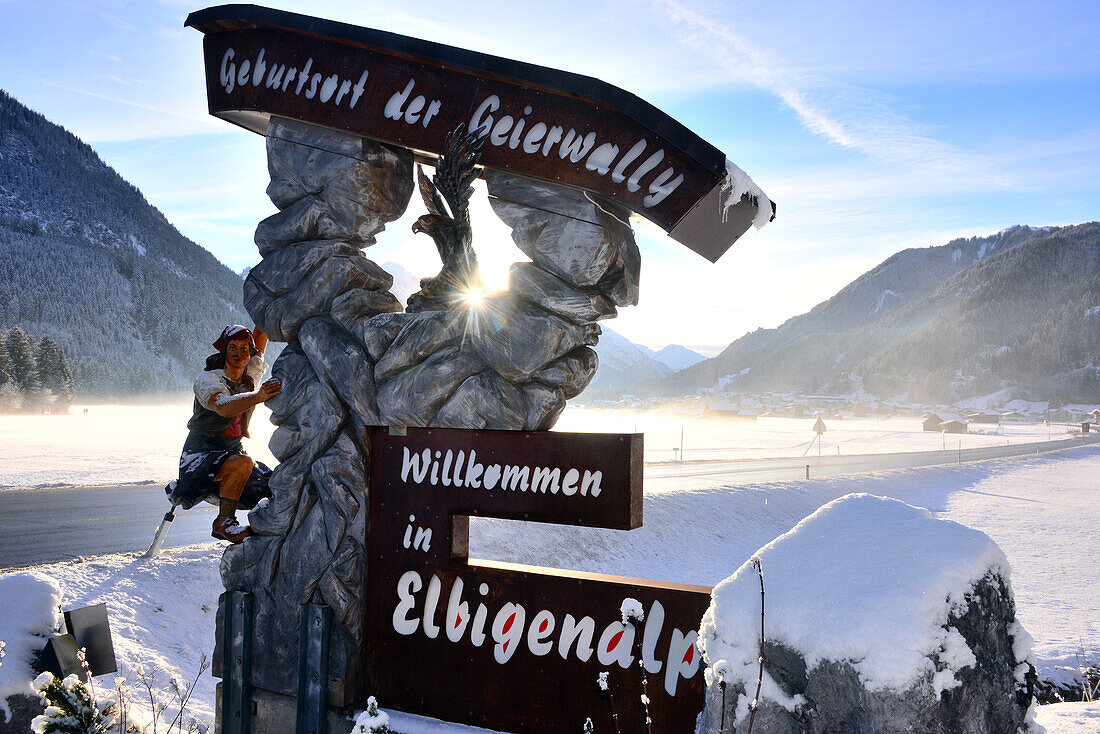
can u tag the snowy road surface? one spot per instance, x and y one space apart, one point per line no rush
85 521
1041 510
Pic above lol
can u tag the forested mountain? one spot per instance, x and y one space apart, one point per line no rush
1016 311
87 260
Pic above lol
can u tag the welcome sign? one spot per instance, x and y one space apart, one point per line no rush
507 646
542 123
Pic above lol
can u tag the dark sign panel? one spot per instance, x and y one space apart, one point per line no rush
542 123
511 647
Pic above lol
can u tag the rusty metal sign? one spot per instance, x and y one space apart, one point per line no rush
541 123
513 647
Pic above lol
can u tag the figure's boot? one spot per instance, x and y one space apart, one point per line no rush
227 528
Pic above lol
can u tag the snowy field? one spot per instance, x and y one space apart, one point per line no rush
1041 510
116 444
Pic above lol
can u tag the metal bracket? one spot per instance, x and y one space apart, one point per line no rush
237 664
313 642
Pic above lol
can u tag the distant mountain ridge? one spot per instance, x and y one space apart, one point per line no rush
1019 309
677 357
86 259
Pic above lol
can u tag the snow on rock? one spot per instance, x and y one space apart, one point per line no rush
30 616
736 184
868 585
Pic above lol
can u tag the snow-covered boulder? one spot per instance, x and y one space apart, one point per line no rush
879 618
28 618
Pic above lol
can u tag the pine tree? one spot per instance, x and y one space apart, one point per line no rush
55 375
10 399
22 367
5 374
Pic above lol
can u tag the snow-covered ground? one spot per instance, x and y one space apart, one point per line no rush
115 444
1040 510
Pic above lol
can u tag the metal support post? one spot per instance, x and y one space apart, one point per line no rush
237 664
313 641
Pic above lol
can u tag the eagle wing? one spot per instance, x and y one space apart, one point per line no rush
430 194
457 169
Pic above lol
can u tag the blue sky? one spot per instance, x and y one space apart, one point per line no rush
875 126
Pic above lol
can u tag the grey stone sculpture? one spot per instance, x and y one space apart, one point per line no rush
992 696
355 359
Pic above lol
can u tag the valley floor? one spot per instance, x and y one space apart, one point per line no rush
1041 510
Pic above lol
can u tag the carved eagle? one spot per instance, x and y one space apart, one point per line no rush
447 197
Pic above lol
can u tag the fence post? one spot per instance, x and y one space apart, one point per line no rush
313 641
237 664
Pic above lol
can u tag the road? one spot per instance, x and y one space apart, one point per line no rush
42 525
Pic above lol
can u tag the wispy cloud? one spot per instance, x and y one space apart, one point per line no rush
847 115
108 57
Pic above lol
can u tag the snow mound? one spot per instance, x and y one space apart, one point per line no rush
864 579
30 615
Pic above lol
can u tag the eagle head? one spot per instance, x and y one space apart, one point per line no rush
432 224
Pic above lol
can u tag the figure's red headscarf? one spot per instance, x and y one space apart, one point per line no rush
236 331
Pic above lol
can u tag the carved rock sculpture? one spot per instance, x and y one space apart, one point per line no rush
354 359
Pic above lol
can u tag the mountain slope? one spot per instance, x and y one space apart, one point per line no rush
85 258
676 357
968 318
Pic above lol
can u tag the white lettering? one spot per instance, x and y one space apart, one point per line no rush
458 612
481 119
474 472
275 76
329 87
357 90
654 621
458 468
600 160
303 76
433 108
412 113
242 73
615 644
542 626
545 477
682 659
393 109
576 147
650 163
662 187
580 633
446 468
407 585
228 70
569 484
313 82
552 137
590 484
507 631
533 136
499 135
477 630
618 175
518 475
492 474
431 601
261 67
418 463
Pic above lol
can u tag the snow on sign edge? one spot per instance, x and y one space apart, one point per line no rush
864 579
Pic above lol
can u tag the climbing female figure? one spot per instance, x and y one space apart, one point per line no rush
213 462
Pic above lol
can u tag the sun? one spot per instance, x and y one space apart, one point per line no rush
474 298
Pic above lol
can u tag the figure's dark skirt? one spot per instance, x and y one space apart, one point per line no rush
200 461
